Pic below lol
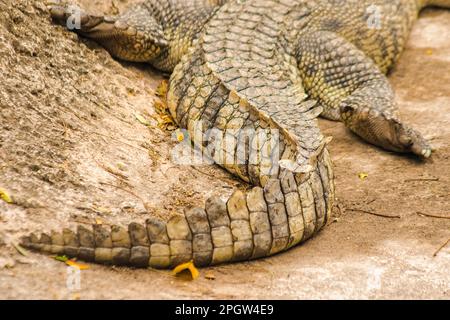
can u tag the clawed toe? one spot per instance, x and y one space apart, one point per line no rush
72 16
420 146
57 12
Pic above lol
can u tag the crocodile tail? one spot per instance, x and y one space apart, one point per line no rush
249 225
283 155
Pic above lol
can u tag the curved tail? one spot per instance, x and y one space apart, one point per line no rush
259 223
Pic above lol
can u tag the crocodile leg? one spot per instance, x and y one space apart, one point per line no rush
134 36
352 88
155 32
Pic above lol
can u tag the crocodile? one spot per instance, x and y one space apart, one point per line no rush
248 81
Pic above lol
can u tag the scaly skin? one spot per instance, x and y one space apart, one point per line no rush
156 32
246 67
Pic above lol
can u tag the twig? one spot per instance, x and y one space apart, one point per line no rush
112 171
83 220
118 140
87 221
375 214
422 179
432 215
123 189
341 209
441 247
19 248
128 191
202 172
84 95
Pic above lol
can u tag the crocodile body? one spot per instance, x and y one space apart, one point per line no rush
249 78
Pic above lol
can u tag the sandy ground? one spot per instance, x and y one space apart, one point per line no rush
72 150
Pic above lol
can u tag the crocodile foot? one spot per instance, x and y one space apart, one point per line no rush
133 36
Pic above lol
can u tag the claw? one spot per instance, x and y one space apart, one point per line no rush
426 153
73 16
417 144
58 13
130 36
385 131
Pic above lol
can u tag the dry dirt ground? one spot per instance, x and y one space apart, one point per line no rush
72 150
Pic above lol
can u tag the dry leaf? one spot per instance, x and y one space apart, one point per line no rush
429 52
5 196
162 88
101 210
121 166
363 175
142 120
21 250
165 120
160 107
63 258
79 266
166 123
188 266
